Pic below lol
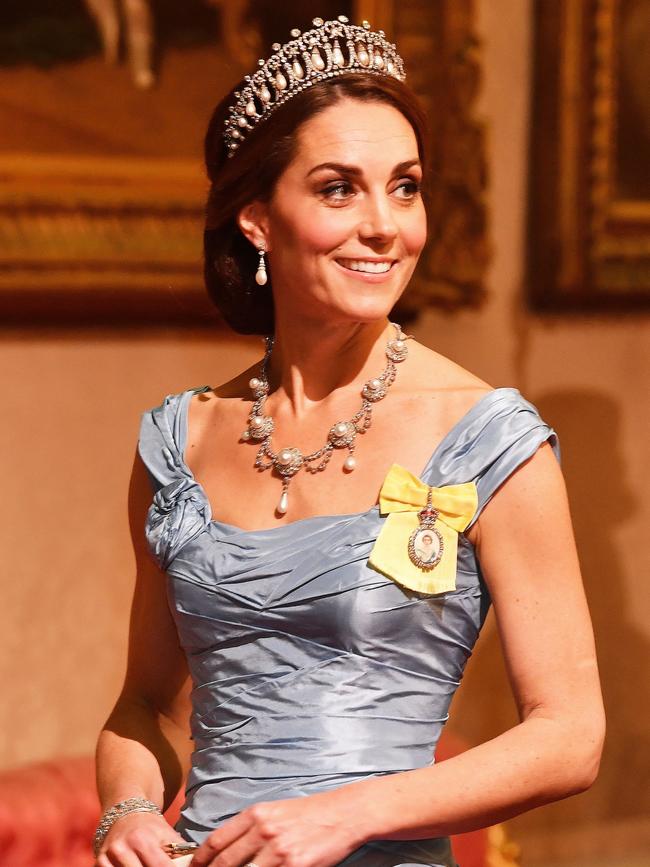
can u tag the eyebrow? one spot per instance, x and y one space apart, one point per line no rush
356 172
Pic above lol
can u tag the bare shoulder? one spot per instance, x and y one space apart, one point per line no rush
235 388
442 388
445 372
205 404
442 382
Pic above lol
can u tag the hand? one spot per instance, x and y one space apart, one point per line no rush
135 840
314 831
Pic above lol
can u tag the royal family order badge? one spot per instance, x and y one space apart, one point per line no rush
426 545
418 542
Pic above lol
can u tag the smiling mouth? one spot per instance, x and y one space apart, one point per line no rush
365 266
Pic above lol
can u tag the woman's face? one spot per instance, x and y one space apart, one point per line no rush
346 223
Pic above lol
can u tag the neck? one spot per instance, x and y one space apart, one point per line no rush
312 361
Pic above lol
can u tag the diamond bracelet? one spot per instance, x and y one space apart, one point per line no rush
131 805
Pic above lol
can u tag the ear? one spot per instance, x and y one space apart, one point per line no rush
254 224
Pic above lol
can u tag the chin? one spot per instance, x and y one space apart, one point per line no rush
353 300
367 310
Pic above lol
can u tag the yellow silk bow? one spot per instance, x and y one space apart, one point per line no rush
403 495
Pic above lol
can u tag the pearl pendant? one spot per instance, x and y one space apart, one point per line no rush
289 460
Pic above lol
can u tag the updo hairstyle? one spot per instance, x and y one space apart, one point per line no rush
230 260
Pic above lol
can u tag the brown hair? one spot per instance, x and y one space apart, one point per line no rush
230 260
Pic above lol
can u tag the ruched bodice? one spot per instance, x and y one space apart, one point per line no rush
309 668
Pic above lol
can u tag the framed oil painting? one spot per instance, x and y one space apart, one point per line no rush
589 227
103 110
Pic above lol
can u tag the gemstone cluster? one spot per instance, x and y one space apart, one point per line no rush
331 48
342 435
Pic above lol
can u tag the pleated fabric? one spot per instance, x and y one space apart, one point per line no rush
310 669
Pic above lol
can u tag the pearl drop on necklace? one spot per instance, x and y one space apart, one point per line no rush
290 460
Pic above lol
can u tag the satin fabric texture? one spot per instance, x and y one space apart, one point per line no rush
310 668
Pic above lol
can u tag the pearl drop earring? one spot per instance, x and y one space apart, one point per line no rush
260 274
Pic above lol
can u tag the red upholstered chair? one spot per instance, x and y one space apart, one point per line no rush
49 812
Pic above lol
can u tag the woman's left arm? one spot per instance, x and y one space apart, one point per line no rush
526 548
524 540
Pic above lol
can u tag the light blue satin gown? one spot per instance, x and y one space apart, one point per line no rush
310 669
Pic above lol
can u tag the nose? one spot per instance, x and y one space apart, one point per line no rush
378 221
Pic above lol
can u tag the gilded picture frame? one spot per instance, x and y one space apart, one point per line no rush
589 218
102 238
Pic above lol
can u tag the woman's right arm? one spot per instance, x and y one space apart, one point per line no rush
144 746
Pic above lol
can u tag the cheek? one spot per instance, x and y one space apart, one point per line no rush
414 231
313 230
325 230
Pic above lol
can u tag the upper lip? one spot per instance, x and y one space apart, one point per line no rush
390 259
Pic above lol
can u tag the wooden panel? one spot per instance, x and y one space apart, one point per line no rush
589 236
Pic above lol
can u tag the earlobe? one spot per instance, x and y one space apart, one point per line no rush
253 224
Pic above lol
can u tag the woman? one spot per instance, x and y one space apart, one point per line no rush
322 641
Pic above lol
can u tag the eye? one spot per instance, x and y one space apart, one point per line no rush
408 188
337 190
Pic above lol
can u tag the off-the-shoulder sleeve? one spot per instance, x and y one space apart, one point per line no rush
502 432
179 509
157 446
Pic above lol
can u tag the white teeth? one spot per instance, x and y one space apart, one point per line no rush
369 267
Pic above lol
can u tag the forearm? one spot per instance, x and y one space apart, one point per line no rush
534 763
139 754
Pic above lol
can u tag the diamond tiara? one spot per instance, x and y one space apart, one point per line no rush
332 48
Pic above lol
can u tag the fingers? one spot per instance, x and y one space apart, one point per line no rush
117 856
182 861
221 839
254 835
248 848
138 848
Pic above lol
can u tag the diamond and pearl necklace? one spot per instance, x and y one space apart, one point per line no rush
290 460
